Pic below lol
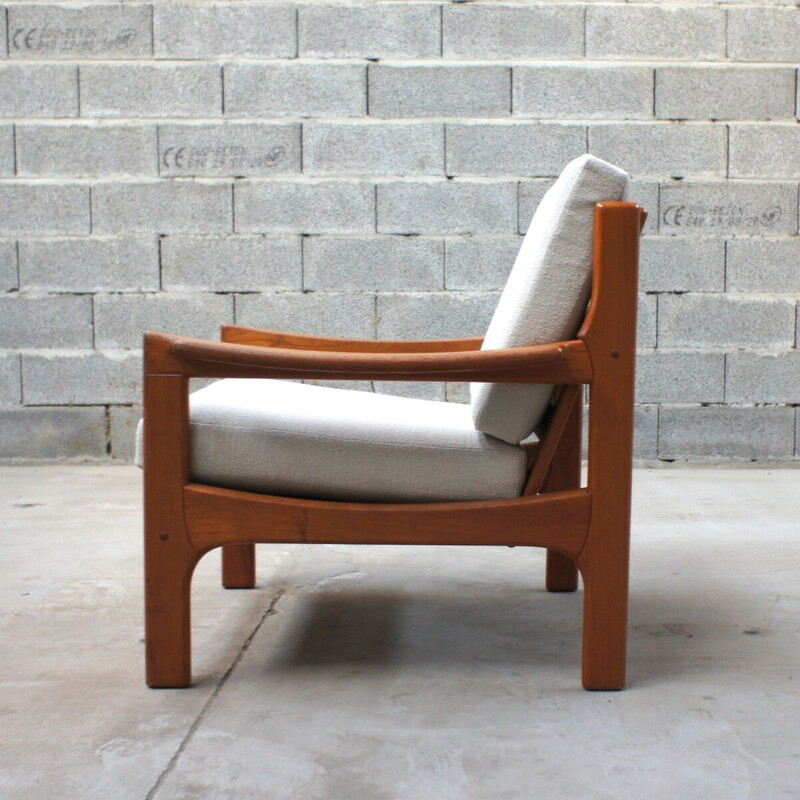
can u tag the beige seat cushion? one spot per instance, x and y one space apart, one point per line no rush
547 291
300 440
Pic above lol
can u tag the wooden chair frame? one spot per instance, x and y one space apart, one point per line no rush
583 529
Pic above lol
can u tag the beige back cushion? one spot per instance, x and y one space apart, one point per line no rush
547 291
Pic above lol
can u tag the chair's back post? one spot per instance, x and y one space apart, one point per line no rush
168 554
610 336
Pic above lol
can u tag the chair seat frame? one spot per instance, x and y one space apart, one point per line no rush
585 530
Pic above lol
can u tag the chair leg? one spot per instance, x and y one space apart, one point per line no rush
239 566
169 556
565 473
562 574
168 641
605 622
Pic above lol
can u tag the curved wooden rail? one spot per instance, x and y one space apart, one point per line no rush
239 334
215 516
561 362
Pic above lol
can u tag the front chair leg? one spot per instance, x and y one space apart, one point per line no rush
239 566
168 639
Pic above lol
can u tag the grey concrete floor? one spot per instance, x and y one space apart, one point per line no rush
424 673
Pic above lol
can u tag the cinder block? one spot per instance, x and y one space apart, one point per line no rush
578 92
120 320
645 193
84 379
383 148
477 263
48 32
530 194
422 390
646 319
86 150
709 321
762 377
680 376
316 313
661 148
797 431
515 148
9 278
382 30
52 433
192 30
447 207
151 90
645 432
725 92
231 264
303 90
27 321
720 432
439 91
765 151
286 207
763 265
162 207
764 34
435 315
44 209
122 423
233 148
10 379
680 33
3 36
38 90
671 264
730 207
490 32
380 263
6 151
124 264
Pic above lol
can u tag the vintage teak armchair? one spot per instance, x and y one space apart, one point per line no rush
253 460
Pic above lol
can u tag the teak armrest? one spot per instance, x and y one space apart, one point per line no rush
560 362
239 334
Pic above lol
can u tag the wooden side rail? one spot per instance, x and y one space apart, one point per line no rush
259 337
562 362
216 516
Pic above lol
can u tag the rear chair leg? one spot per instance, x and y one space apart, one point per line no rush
562 574
239 566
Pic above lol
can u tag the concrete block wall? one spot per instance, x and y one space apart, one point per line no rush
367 169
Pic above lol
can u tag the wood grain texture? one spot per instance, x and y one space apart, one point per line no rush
560 362
552 439
565 473
238 560
610 334
238 334
169 557
218 516
239 566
